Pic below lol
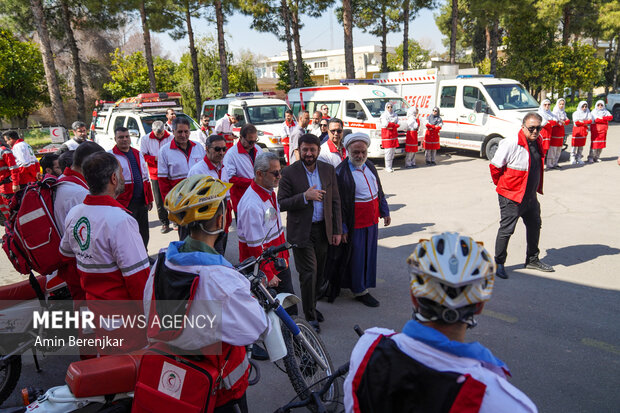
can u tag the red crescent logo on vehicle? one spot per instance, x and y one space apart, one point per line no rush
55 132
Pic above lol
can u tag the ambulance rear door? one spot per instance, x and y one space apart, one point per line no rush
448 95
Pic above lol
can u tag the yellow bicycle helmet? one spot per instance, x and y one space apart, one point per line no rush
196 198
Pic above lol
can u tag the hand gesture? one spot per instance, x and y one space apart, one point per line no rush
387 221
313 194
336 239
274 281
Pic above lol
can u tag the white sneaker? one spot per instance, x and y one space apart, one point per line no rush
389 170
598 160
580 162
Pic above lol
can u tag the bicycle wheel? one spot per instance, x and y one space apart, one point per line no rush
9 375
303 371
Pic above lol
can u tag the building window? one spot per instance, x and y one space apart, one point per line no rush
320 65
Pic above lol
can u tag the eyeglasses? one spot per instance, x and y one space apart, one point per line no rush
335 130
534 128
323 125
276 174
219 148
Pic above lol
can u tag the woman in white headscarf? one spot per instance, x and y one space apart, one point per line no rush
411 142
549 121
557 135
582 118
431 136
598 131
389 134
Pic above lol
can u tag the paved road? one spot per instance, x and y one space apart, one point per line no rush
558 332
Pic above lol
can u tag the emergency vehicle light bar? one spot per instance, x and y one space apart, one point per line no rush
359 81
253 94
150 100
472 76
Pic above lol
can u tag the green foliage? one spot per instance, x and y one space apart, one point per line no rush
576 66
418 57
22 77
284 83
130 76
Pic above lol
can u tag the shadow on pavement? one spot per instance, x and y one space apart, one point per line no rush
396 207
576 254
402 230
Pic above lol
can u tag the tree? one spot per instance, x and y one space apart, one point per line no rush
22 77
576 66
78 84
284 80
130 76
347 23
453 30
48 61
419 56
410 10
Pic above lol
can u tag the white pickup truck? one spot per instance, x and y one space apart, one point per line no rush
613 105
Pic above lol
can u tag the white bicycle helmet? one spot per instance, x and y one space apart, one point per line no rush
451 277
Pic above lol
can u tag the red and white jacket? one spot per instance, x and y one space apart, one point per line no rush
125 197
225 128
112 262
26 162
70 191
239 170
149 147
510 166
252 230
329 154
8 168
173 164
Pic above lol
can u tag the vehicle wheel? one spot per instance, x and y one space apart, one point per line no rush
302 369
9 375
491 147
616 113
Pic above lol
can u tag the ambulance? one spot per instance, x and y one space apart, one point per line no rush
478 111
359 104
261 109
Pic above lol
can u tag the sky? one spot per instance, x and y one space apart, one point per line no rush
319 33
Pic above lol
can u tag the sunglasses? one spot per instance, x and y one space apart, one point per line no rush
276 174
220 149
323 125
534 128
335 130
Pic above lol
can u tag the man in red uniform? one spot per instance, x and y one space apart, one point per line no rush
9 178
24 157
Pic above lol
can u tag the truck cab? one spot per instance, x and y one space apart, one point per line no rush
258 108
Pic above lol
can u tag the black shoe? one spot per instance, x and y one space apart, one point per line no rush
501 271
319 316
433 163
315 325
428 162
259 353
165 229
536 264
368 300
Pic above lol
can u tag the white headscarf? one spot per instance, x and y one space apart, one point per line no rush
560 113
600 113
581 115
546 114
412 112
388 116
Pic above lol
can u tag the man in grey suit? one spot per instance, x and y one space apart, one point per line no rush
309 193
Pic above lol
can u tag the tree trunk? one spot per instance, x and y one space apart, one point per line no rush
347 20
48 61
487 35
221 45
148 54
78 84
493 45
194 54
286 16
384 66
406 34
299 63
616 60
455 20
566 19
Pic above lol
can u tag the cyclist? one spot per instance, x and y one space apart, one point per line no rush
429 367
199 203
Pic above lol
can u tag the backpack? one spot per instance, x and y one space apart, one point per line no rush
32 238
168 382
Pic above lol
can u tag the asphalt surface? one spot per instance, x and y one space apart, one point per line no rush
558 332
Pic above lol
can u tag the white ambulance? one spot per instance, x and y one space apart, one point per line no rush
478 111
260 109
359 106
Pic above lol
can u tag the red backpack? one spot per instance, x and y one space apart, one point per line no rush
32 238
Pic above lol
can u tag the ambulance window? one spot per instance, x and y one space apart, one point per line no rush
132 123
296 108
353 107
209 110
448 97
471 95
118 122
333 108
238 112
220 111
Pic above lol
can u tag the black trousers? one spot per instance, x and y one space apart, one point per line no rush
229 407
510 212
159 202
140 212
310 263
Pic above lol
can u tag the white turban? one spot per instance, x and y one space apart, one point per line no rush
355 137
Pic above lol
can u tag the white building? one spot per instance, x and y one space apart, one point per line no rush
327 65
